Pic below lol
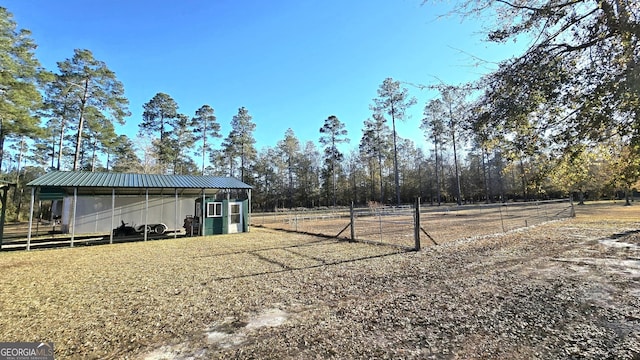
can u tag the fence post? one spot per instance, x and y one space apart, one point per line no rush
416 225
353 228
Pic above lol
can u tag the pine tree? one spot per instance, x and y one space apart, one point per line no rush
88 88
334 133
289 149
375 142
394 101
159 113
240 142
205 127
19 81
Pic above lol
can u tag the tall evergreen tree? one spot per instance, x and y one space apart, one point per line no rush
434 128
266 197
334 133
309 170
205 127
159 113
394 101
374 144
123 157
93 90
19 75
182 138
289 148
455 107
240 142
61 109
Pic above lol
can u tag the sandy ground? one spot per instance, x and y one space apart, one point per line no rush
566 289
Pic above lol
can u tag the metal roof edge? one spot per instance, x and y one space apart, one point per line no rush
135 180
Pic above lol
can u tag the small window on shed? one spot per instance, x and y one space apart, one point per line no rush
214 209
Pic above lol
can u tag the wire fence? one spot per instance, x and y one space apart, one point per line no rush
416 226
321 222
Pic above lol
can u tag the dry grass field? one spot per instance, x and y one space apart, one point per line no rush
565 289
440 224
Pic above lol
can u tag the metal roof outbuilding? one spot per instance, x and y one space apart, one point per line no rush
56 184
95 180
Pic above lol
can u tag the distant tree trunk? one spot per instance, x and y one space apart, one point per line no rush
2 136
19 205
485 176
290 190
420 180
93 154
455 154
60 144
435 144
627 197
53 151
83 103
380 174
18 193
204 147
355 187
242 162
523 178
333 178
395 161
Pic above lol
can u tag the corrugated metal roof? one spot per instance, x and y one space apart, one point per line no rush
145 181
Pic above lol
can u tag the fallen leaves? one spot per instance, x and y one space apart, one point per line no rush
489 297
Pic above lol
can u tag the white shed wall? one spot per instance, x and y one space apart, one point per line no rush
94 212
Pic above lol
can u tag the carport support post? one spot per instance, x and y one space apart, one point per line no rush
202 215
3 212
73 219
249 216
33 196
146 212
113 213
416 231
175 210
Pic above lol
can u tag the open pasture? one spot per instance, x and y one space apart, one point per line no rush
438 224
558 290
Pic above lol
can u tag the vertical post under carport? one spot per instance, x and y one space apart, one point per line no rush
249 214
146 212
202 225
113 213
175 231
73 219
5 190
33 197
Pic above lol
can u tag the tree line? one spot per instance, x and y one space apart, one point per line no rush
560 119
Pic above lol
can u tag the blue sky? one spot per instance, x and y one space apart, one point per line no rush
290 63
